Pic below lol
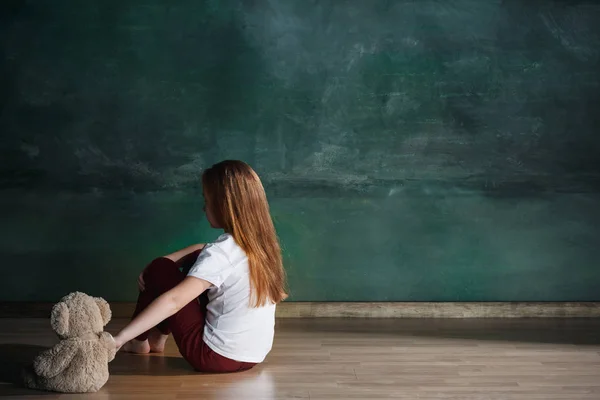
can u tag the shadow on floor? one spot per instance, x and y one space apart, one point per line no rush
14 358
585 331
152 364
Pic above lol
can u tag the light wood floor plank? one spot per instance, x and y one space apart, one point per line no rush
355 359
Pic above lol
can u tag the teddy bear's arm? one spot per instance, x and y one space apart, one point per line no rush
109 344
53 361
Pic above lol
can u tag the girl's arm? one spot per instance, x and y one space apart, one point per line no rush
184 258
178 255
162 308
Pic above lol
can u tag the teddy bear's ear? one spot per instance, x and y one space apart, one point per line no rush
59 319
104 309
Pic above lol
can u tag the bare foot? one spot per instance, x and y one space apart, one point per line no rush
136 346
157 341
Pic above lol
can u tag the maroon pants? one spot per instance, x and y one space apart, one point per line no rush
187 325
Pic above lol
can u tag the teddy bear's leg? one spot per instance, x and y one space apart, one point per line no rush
33 381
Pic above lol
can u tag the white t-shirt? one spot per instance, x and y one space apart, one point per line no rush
234 329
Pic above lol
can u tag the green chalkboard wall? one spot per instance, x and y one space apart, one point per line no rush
411 150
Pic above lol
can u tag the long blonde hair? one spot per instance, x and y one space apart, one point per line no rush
238 200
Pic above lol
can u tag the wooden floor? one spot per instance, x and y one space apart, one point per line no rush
479 359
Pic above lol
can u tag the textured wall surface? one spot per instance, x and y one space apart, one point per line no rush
411 150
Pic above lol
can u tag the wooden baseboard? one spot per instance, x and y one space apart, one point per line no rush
442 310
370 310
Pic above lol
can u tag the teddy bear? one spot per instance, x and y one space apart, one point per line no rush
78 363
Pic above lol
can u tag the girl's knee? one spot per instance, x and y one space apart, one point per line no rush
158 268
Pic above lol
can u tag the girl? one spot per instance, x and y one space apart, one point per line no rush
221 307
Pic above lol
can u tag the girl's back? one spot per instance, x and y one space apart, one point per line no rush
234 328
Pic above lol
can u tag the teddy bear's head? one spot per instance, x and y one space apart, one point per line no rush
78 314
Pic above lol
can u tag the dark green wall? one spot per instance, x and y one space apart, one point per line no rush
412 150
